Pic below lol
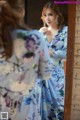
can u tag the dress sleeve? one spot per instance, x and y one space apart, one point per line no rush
35 43
44 61
59 49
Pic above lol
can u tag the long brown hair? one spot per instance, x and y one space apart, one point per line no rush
55 8
9 21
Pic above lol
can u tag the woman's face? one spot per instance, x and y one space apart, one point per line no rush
50 18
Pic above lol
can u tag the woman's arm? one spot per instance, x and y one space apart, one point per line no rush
45 60
59 48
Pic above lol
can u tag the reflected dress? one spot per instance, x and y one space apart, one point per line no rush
56 84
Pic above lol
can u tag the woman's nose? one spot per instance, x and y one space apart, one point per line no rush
47 17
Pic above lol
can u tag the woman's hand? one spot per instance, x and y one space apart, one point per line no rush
46 32
43 30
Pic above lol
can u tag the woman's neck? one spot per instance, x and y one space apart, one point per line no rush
53 30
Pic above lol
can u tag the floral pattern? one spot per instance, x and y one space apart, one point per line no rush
56 83
21 77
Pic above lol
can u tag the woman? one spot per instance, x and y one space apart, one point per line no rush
56 39
24 61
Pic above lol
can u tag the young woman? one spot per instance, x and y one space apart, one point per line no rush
24 62
56 39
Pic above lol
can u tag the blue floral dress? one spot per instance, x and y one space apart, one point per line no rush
21 78
56 85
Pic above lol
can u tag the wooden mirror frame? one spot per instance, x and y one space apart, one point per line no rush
70 61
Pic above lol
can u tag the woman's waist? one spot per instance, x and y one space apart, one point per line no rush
57 62
7 90
16 86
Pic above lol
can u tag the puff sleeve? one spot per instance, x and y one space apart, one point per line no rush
45 60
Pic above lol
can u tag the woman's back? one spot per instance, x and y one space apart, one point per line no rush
22 69
19 74
24 65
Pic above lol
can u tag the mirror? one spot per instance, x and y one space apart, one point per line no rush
32 8
70 16
37 23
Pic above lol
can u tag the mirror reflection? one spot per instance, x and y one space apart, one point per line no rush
51 21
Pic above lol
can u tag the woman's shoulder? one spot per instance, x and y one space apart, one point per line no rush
28 32
65 29
27 41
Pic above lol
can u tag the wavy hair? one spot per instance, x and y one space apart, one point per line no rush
9 21
55 8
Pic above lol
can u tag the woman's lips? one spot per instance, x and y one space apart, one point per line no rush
49 22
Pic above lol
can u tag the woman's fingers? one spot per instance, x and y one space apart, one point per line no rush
43 29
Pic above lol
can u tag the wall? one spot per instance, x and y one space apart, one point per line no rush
75 107
34 8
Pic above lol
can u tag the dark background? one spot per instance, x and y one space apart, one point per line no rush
33 9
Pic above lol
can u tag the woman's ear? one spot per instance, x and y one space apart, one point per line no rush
21 12
56 19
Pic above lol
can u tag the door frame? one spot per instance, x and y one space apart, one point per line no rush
70 61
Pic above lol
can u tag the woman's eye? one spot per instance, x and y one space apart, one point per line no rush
50 14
